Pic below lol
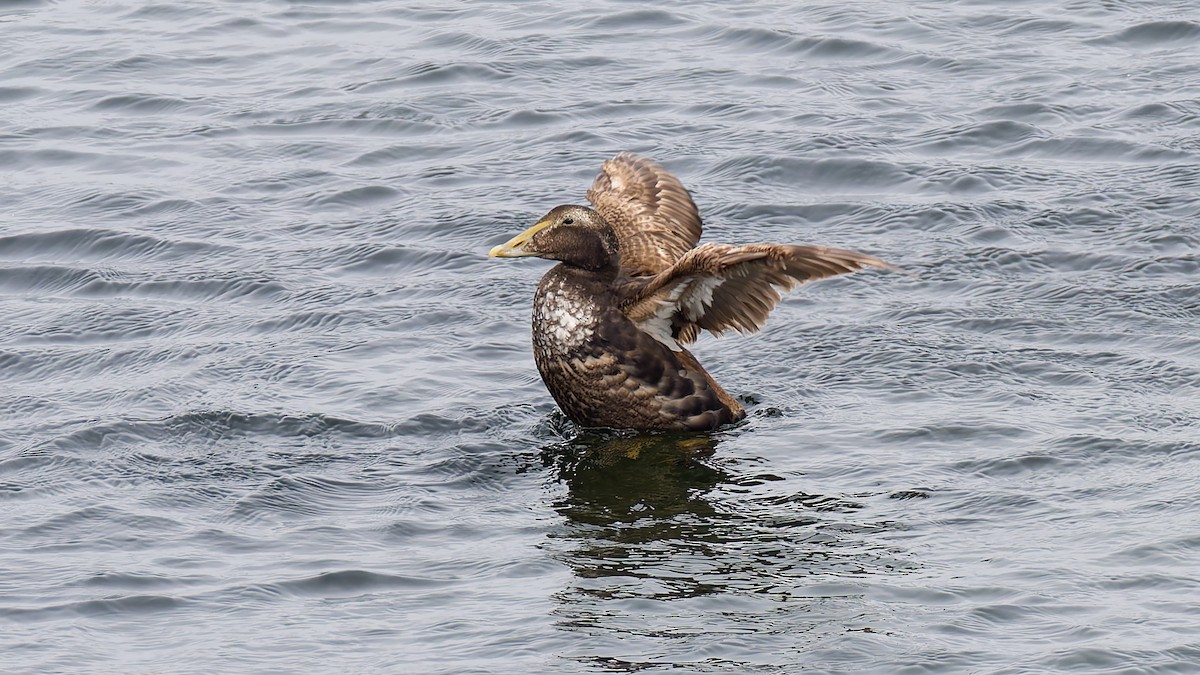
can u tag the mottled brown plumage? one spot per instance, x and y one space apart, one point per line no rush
650 211
610 321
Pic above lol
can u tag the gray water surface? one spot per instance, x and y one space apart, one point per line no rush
267 407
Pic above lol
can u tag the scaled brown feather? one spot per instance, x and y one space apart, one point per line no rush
650 211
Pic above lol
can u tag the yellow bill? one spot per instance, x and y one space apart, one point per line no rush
513 247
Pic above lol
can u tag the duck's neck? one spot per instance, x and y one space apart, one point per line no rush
600 275
592 251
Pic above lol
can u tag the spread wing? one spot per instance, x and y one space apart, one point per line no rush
717 287
654 217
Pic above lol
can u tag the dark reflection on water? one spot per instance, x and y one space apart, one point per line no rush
661 519
620 479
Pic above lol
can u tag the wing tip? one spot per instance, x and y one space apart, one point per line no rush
872 261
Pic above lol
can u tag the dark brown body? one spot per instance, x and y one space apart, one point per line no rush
605 372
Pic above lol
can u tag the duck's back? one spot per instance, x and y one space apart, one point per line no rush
604 371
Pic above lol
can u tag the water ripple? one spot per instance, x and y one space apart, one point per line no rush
263 385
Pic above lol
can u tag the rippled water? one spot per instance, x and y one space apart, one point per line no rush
266 406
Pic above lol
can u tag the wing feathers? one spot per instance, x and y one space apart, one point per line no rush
717 287
674 291
653 215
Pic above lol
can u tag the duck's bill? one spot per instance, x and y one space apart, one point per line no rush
515 247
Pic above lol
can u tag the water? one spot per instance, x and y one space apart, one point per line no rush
267 407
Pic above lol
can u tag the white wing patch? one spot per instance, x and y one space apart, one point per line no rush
659 327
700 296
692 297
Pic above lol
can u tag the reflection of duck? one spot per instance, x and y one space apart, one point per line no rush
615 479
610 321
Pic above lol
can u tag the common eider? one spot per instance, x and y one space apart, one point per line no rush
610 321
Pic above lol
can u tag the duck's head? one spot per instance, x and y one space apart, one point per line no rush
575 235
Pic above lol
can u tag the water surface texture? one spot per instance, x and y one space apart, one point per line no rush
267 407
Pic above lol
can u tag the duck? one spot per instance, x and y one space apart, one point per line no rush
633 287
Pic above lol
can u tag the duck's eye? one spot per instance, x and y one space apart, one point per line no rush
568 221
